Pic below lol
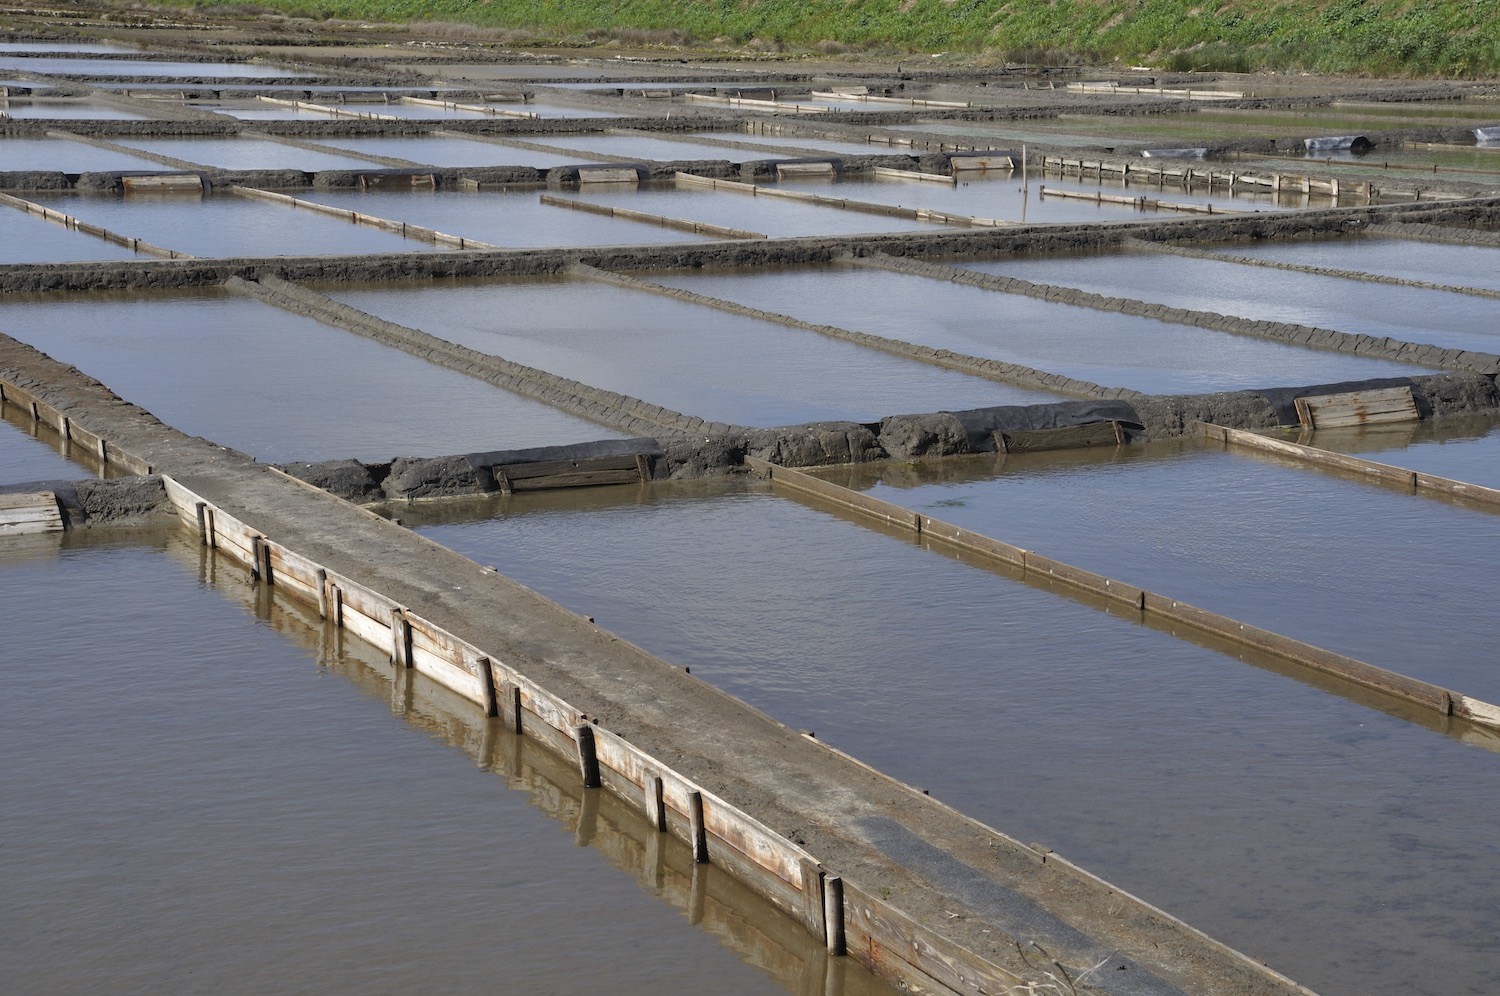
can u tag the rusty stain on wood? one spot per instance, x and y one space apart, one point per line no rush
1334 411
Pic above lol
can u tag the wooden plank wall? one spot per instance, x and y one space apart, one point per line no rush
1031 564
76 434
769 864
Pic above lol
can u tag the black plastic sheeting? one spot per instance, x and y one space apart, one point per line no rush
980 424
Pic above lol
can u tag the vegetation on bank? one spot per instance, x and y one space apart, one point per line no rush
1459 38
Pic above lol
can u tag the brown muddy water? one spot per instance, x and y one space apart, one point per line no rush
1100 346
278 386
1297 825
1411 314
690 358
250 803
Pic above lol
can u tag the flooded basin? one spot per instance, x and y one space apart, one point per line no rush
246 153
119 68
279 386
448 150
1304 829
777 217
29 239
792 145
229 225
1103 347
1461 448
695 360
1411 314
645 148
1435 262
1310 555
66 156
66 109
513 217
299 863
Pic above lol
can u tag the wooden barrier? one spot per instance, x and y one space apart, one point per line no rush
75 434
1414 480
23 514
959 164
889 211
87 228
593 472
428 235
1374 407
164 183
681 224
1034 566
499 112
784 170
890 173
879 934
608 174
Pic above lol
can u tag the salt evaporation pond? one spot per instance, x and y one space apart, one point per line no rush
226 812
447 150
513 217
22 109
1461 448
29 239
279 386
117 68
1292 824
695 360
1434 262
1265 541
229 225
25 458
1410 314
246 153
1103 347
65 156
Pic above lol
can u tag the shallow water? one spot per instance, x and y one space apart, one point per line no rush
1293 824
29 239
228 225
1103 347
66 156
1435 262
1310 555
66 109
249 798
1461 448
777 217
1453 320
445 150
775 144
280 386
513 218
246 153
27 454
116 68
695 360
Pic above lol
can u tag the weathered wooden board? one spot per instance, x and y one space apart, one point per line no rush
1088 580
1072 437
897 946
36 512
806 483
966 539
1334 411
545 475
608 174
168 183
1002 160
391 181
784 170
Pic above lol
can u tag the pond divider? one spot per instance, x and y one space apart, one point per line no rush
1141 203
14 394
88 228
977 366
790 877
842 203
1188 175
1421 354
421 234
329 109
1193 252
1411 481
1149 604
681 224
449 105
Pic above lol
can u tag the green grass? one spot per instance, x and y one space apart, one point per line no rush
1443 38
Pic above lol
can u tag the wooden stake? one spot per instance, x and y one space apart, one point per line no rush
588 759
696 830
833 913
510 706
487 687
656 810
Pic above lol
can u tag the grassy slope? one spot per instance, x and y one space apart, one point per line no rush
1388 37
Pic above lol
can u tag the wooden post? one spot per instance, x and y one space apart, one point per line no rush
588 759
322 593
833 914
696 830
255 556
656 810
200 508
213 533
400 639
337 605
103 450
812 897
510 706
487 686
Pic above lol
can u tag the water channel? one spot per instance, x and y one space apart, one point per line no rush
254 798
1297 825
